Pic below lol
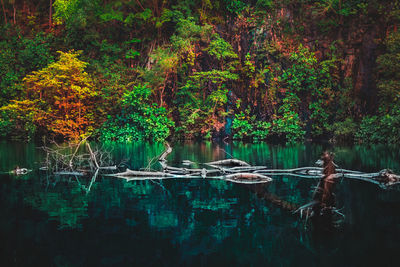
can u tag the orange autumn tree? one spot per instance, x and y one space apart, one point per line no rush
67 96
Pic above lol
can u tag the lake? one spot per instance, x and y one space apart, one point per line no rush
200 222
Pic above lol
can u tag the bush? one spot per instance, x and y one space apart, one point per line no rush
246 127
242 126
344 130
18 120
288 127
139 119
380 129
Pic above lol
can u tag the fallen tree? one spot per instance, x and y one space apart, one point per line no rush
241 171
232 170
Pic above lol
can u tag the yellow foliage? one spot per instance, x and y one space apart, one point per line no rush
68 95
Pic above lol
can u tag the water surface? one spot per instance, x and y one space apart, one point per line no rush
202 222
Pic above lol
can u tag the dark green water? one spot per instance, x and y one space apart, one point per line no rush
194 222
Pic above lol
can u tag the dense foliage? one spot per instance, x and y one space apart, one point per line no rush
138 119
249 69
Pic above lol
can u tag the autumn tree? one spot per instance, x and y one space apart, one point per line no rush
67 96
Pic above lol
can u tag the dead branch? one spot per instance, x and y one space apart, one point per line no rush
166 153
247 178
92 155
77 159
76 150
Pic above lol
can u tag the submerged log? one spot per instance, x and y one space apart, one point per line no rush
227 167
244 169
321 208
247 178
228 162
187 162
132 173
108 167
69 173
384 178
387 177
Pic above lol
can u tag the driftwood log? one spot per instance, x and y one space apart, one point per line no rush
232 170
228 162
239 171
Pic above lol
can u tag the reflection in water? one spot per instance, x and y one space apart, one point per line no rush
68 207
197 222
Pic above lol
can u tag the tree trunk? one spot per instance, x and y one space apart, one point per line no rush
4 12
15 11
324 192
51 14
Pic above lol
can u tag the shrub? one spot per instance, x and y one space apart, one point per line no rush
344 130
380 129
288 127
19 119
139 119
246 127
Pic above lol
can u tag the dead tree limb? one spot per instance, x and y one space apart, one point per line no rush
70 160
92 155
76 150
166 153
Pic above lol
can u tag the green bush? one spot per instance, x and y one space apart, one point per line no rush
242 126
139 119
344 131
18 119
288 127
380 129
246 127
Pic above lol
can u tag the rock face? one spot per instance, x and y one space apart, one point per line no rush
360 63
358 46
356 39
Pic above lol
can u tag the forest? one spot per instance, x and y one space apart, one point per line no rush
251 70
